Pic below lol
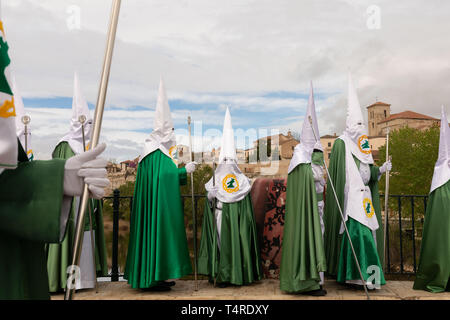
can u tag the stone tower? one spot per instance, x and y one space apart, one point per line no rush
375 113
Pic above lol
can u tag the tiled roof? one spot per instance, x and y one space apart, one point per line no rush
408 115
328 136
379 103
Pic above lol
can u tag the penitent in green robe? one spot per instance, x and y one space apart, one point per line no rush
433 273
238 260
302 255
158 248
337 249
31 198
60 255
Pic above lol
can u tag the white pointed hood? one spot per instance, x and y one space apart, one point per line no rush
228 149
355 129
441 173
163 135
232 184
303 151
79 107
20 112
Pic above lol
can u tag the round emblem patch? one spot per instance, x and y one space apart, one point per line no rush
363 144
230 183
368 208
173 151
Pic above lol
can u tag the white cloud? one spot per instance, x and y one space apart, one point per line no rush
233 52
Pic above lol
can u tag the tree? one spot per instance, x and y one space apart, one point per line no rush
414 154
201 177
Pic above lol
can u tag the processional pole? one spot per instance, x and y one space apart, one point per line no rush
342 216
95 137
386 199
194 213
26 121
215 242
82 120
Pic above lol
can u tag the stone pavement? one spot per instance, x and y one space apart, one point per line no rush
264 290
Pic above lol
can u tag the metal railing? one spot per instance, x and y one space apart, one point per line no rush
404 232
402 242
117 214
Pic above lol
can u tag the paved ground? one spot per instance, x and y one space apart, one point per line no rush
264 290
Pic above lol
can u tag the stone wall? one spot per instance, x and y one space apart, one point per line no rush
120 178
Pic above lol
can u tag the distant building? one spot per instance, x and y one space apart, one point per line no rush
380 118
281 148
183 153
327 144
124 165
214 154
112 167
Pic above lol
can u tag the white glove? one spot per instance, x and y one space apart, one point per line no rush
386 166
86 168
191 166
212 193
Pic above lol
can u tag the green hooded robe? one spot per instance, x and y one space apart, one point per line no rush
303 255
31 198
433 273
238 259
340 261
158 248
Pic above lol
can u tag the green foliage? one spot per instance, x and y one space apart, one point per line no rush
126 190
201 177
414 154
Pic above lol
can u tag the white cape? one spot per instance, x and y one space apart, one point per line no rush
442 168
233 185
358 198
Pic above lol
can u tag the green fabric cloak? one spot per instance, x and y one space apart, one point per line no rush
302 255
238 261
433 273
158 248
332 221
60 255
30 216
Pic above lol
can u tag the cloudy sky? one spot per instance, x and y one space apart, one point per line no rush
257 56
